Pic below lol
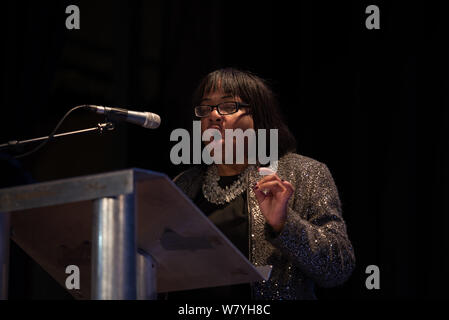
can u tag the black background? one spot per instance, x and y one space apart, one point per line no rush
371 104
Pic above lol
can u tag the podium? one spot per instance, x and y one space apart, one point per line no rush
128 234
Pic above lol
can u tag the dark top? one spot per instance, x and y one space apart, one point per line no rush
232 219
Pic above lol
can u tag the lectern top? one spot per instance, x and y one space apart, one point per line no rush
76 189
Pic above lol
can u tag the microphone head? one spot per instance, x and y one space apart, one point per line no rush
152 121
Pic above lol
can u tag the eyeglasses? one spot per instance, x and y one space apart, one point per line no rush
223 109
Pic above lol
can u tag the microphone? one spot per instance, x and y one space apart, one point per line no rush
145 119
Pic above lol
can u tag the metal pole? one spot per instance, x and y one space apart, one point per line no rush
101 127
146 276
4 255
114 249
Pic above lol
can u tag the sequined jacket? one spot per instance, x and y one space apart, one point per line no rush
312 248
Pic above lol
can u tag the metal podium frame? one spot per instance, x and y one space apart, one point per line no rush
119 268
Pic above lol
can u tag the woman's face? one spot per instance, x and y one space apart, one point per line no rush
239 120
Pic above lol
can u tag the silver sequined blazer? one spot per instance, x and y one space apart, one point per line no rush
312 249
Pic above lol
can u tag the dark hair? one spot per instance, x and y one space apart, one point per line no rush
264 107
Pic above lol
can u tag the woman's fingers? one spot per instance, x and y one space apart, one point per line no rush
271 186
275 177
272 183
271 177
289 186
260 196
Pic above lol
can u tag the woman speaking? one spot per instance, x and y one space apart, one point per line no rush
289 218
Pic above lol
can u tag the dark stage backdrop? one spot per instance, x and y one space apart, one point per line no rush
371 104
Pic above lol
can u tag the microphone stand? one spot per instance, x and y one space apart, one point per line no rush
101 127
